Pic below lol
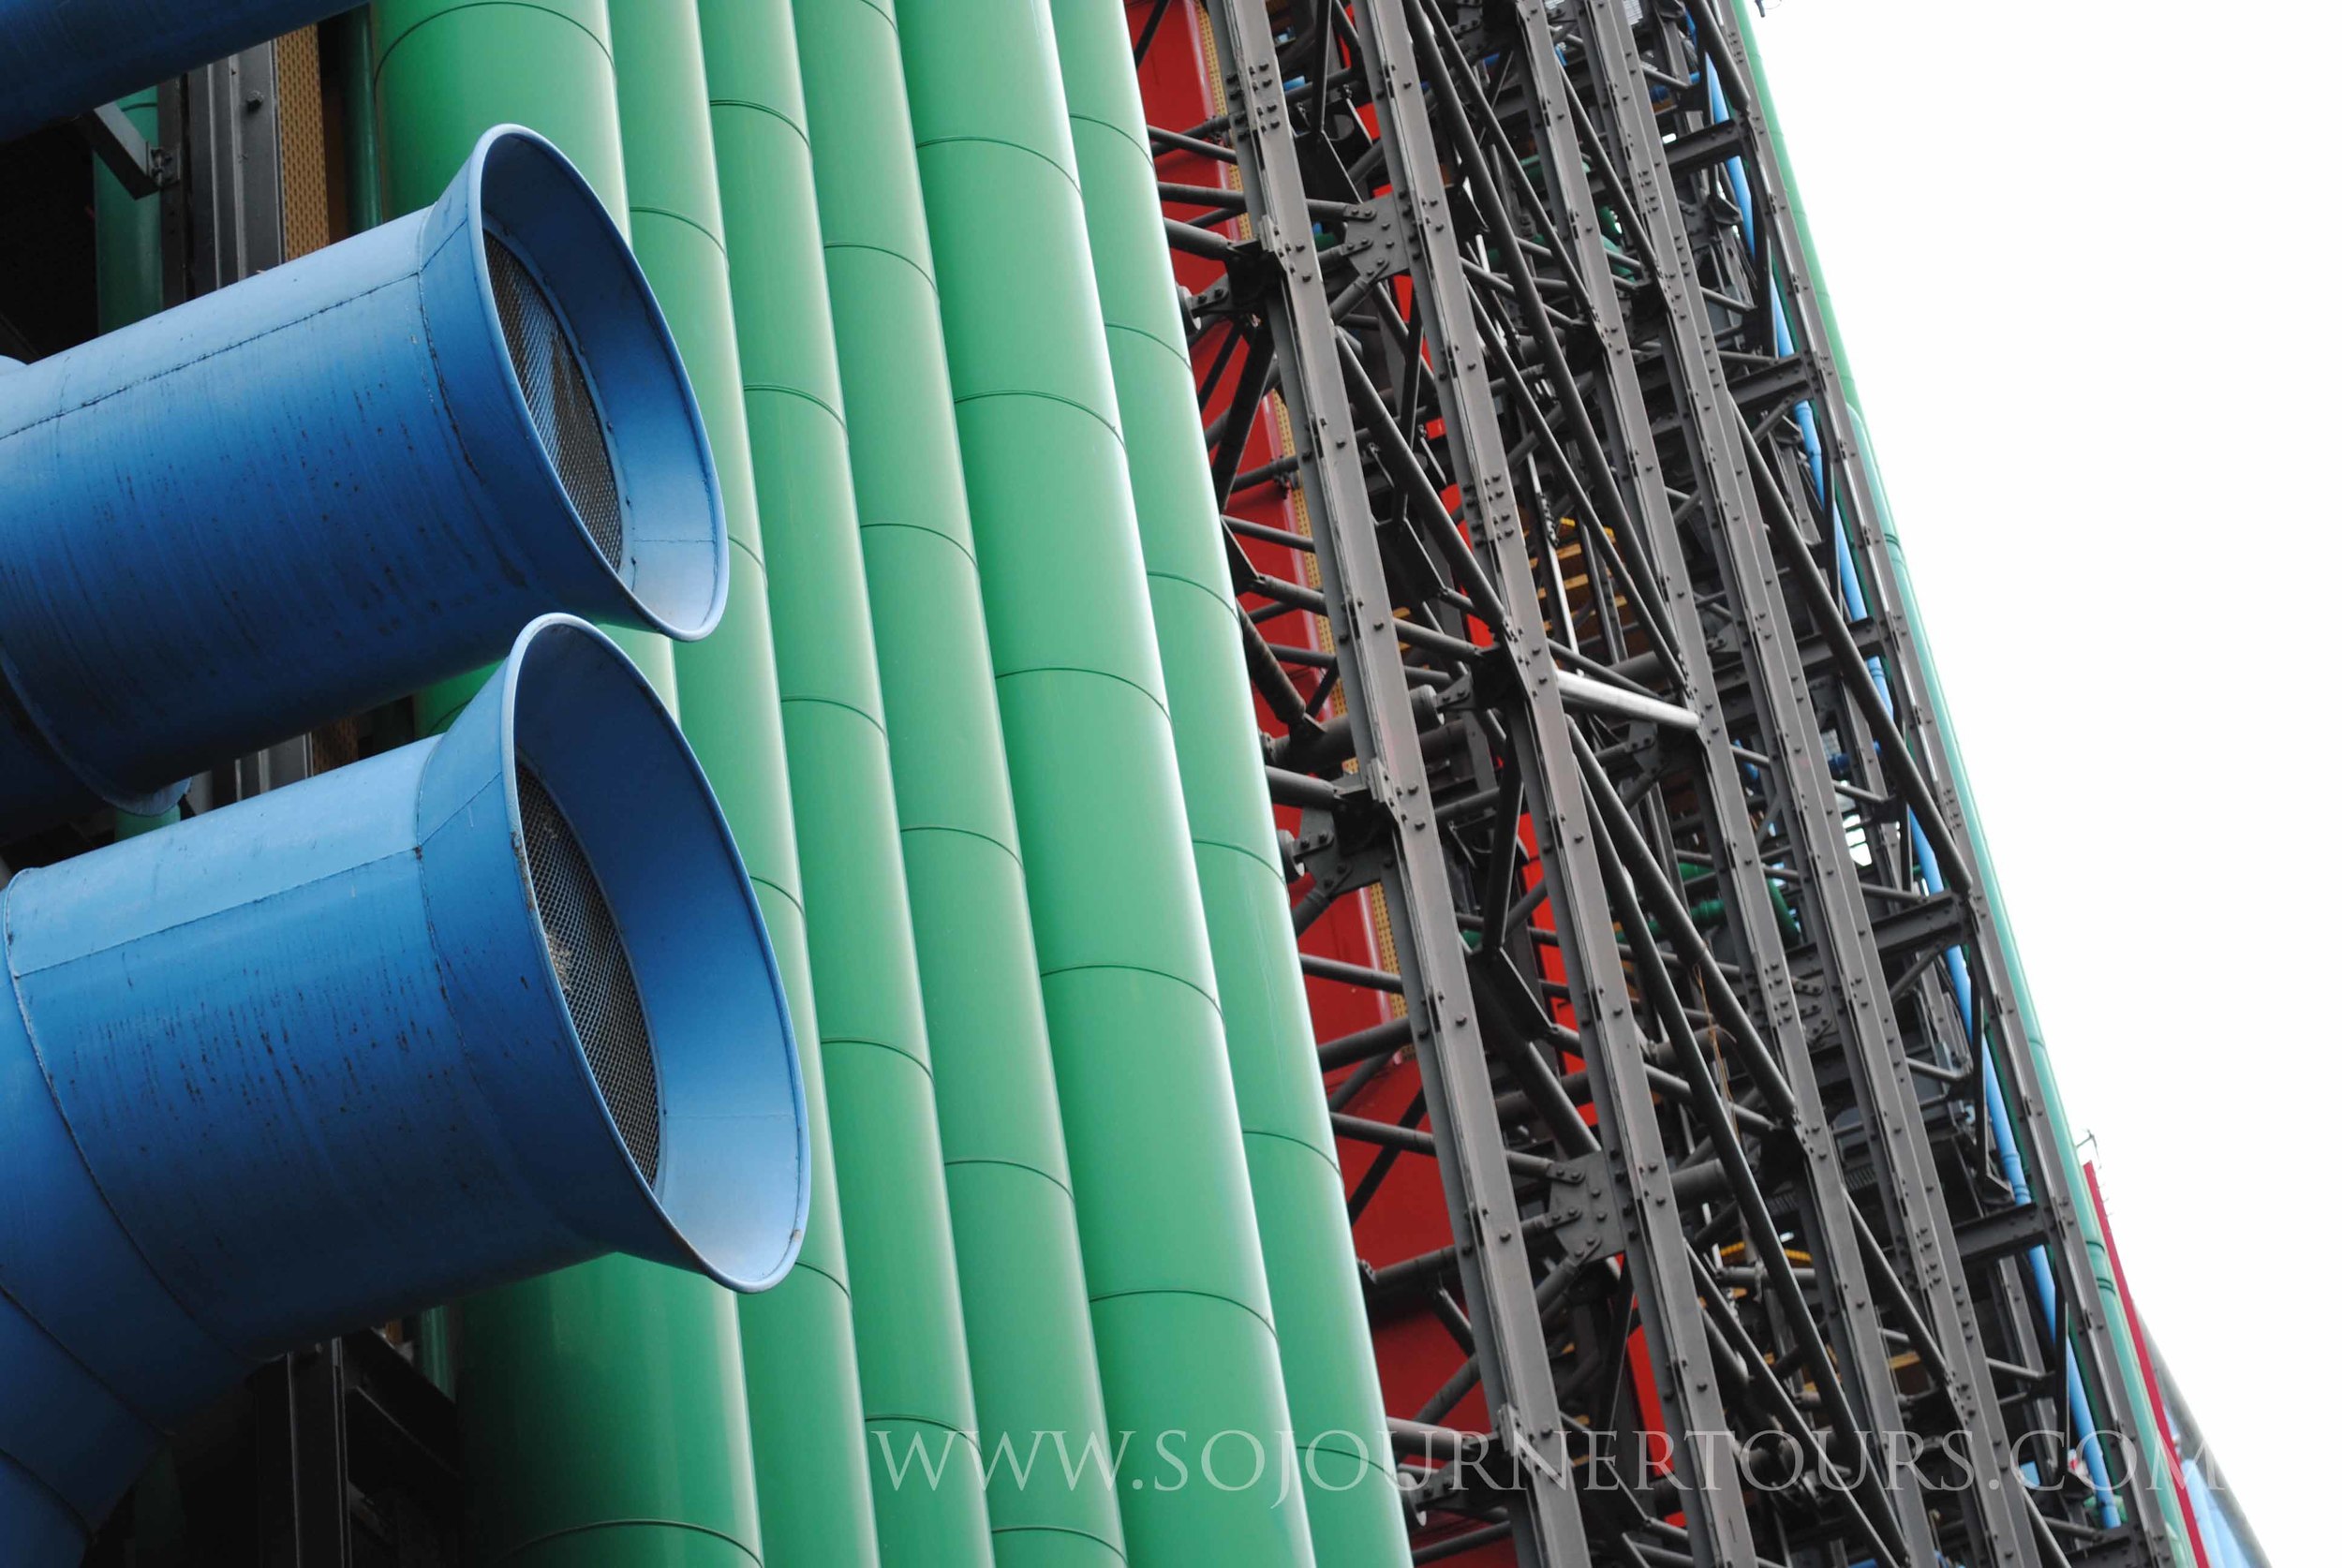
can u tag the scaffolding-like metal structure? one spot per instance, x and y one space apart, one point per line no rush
1614 709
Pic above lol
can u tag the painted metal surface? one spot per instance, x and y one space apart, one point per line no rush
60 59
129 235
804 1383
1296 1186
916 1392
584 1450
1179 1300
1022 1294
369 954
315 490
444 69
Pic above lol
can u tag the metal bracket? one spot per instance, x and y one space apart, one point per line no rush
143 167
1585 1215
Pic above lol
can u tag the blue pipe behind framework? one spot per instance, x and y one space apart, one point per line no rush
2212 1522
59 57
1931 875
488 1005
337 481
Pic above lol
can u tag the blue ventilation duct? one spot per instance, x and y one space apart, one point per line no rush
59 57
338 482
491 1004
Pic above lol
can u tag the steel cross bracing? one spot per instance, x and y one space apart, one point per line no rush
1641 802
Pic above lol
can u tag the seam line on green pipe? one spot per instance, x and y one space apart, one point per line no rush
871 719
923 528
1060 1529
754 106
884 250
884 15
1335 1165
536 1541
1015 859
1180 354
1003 678
1013 1165
640 210
829 1040
803 1267
1246 851
1201 1296
779 892
392 48
1033 152
775 389
1318 1441
754 552
906 1419
1216 596
1136 969
1112 429
1121 135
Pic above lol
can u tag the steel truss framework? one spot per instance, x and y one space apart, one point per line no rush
1646 803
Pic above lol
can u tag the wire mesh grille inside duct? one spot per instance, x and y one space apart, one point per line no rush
559 400
597 981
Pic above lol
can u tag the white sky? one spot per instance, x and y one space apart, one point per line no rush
2082 256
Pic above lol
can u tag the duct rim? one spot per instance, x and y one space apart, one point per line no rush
724 1185
668 568
564 407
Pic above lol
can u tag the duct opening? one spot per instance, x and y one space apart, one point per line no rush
640 914
560 399
596 976
591 379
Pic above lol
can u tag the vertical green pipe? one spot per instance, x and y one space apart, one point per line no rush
1178 1296
605 1421
130 289
604 1424
1022 1292
803 1379
129 235
2127 1351
917 1396
350 36
446 70
1298 1195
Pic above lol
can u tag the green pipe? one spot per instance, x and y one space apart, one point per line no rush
435 1348
1180 1301
1299 1198
603 1423
446 70
2127 1352
129 235
917 1391
1711 911
811 1478
130 289
605 1415
1022 1294
351 38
